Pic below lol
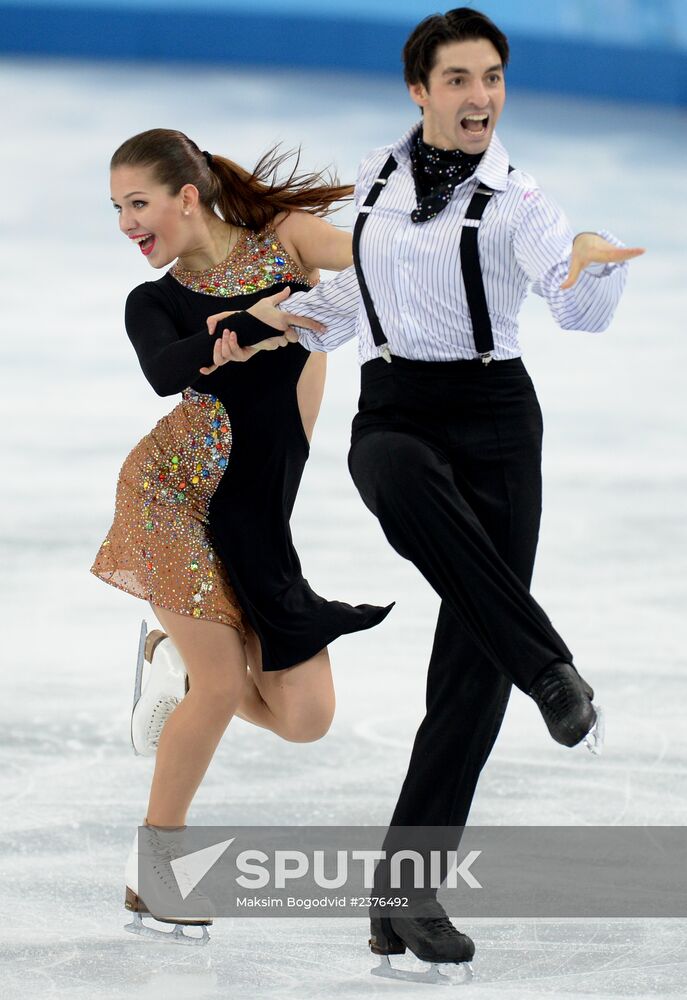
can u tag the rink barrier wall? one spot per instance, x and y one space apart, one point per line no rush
220 37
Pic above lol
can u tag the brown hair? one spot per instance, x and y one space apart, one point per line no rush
243 198
458 25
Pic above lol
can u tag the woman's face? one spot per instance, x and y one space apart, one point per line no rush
149 215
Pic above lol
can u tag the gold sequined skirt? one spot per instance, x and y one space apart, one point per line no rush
158 547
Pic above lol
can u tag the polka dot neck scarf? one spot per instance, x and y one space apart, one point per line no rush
436 173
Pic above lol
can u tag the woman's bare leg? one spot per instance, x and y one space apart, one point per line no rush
310 390
215 659
297 703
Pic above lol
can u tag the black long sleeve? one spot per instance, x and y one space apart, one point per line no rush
171 358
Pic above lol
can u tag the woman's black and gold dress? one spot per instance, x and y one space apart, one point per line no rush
203 501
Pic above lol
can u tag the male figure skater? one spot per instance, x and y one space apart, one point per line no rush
446 446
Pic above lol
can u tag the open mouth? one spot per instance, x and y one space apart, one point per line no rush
146 242
475 125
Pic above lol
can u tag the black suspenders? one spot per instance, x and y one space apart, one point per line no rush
472 273
365 209
469 266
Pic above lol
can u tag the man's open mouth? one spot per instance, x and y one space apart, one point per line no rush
475 124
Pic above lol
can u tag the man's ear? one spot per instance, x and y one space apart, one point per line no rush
418 94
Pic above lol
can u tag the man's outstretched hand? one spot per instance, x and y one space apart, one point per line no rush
590 248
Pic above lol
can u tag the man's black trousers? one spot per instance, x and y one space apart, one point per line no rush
447 455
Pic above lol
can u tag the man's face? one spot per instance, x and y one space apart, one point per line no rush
466 81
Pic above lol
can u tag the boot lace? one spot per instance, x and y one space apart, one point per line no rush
163 852
161 712
438 927
555 694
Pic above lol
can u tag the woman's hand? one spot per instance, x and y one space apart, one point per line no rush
590 248
227 347
265 310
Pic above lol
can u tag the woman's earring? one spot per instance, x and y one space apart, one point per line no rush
186 211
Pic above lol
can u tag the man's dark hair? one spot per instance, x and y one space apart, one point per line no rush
459 25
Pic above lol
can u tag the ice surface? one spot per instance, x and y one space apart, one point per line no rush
610 570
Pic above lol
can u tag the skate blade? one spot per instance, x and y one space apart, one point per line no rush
594 740
434 973
138 681
175 936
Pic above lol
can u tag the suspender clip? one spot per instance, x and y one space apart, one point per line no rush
486 357
385 353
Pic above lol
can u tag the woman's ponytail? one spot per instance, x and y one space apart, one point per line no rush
254 199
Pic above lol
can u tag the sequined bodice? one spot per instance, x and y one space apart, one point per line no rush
257 261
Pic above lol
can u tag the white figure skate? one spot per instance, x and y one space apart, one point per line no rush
166 683
158 849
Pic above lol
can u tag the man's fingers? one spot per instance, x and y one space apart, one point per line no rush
212 321
626 253
612 255
304 321
607 255
271 344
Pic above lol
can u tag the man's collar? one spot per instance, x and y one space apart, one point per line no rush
401 148
492 169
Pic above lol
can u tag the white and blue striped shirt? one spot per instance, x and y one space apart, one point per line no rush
413 269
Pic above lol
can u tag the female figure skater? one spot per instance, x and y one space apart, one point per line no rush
201 526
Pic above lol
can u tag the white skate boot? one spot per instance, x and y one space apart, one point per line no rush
158 848
166 683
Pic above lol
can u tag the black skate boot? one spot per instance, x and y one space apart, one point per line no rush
430 936
565 701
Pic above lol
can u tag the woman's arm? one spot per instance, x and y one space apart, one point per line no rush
314 242
171 362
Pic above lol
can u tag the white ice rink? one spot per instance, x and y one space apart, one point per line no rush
610 570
